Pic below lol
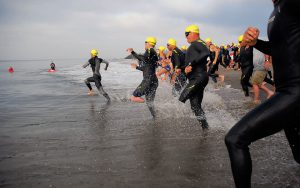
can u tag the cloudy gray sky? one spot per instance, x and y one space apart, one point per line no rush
71 28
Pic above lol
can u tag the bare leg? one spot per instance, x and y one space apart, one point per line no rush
267 91
256 94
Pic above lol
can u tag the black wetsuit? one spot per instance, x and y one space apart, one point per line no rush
246 59
238 58
226 57
222 58
178 62
95 62
281 111
235 50
147 64
213 67
197 56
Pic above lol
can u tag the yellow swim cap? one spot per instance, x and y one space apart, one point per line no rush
172 42
184 47
161 48
241 37
192 29
208 40
94 52
151 40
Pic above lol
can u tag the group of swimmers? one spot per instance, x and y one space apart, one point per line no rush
189 70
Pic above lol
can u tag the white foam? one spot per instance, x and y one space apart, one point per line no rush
121 80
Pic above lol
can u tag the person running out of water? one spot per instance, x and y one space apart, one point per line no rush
95 62
166 66
213 64
195 68
237 58
246 59
226 57
281 111
177 59
215 69
147 64
258 76
221 56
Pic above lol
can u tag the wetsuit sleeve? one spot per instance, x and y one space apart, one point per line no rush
105 62
263 46
86 64
140 67
138 57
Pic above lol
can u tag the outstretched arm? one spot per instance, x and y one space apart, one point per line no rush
263 46
251 38
107 63
86 64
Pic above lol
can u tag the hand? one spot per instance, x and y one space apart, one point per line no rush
133 65
267 65
188 69
129 50
251 36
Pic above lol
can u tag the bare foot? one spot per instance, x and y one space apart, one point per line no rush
270 95
137 99
91 93
256 102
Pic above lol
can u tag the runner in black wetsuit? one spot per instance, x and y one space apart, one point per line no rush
226 56
196 60
281 111
235 49
246 60
214 63
177 60
147 64
222 56
95 62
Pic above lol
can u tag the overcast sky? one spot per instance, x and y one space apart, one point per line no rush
71 28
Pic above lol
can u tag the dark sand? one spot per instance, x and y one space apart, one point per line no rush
78 141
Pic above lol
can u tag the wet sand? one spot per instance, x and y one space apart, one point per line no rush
77 141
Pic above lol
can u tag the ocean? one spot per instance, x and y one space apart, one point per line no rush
52 134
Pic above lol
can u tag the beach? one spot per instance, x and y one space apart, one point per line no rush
52 134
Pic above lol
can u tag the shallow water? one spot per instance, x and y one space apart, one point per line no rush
53 135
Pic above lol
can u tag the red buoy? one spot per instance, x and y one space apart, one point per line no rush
11 70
